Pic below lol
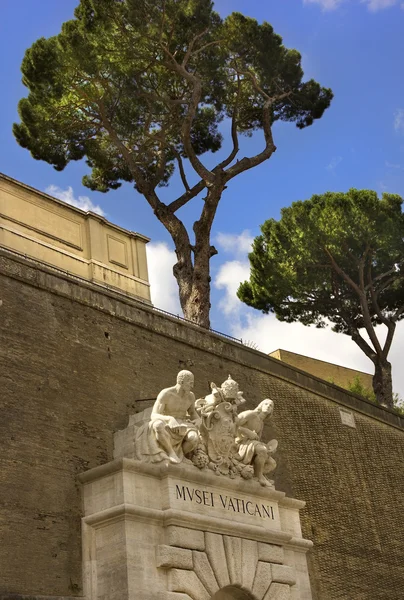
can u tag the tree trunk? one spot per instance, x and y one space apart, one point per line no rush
194 278
196 306
382 382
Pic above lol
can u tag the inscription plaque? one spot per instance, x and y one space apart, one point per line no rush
223 503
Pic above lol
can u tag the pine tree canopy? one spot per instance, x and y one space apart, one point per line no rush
117 86
138 87
326 257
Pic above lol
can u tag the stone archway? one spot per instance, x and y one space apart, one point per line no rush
232 592
222 567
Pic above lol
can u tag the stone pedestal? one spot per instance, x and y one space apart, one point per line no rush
172 532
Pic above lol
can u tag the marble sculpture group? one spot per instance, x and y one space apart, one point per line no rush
208 433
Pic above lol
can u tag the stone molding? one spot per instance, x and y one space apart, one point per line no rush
171 517
164 469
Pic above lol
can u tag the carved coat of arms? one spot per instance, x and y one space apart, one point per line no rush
218 429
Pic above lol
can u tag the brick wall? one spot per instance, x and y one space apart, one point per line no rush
76 361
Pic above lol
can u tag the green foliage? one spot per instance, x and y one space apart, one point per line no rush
328 259
398 404
357 387
106 88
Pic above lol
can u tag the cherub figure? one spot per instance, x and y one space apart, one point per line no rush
251 451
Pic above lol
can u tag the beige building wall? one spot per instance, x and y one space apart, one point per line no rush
342 376
77 242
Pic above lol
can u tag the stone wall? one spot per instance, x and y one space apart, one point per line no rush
75 362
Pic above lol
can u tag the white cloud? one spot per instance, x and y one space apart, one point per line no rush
269 334
399 120
390 165
376 5
228 278
325 4
373 5
383 187
163 286
333 164
238 245
67 196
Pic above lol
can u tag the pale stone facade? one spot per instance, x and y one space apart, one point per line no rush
76 242
342 376
171 532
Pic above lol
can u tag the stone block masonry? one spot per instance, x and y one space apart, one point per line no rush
133 502
76 361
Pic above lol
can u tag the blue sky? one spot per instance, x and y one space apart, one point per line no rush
355 47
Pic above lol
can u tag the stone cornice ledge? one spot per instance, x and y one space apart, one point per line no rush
299 544
191 474
196 521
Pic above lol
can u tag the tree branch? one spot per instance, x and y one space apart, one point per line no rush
248 163
389 323
202 228
163 17
234 135
389 338
182 200
352 328
195 82
374 296
399 312
342 273
367 319
202 48
162 161
385 284
188 53
181 169
140 181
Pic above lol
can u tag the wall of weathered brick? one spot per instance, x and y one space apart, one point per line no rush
76 360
